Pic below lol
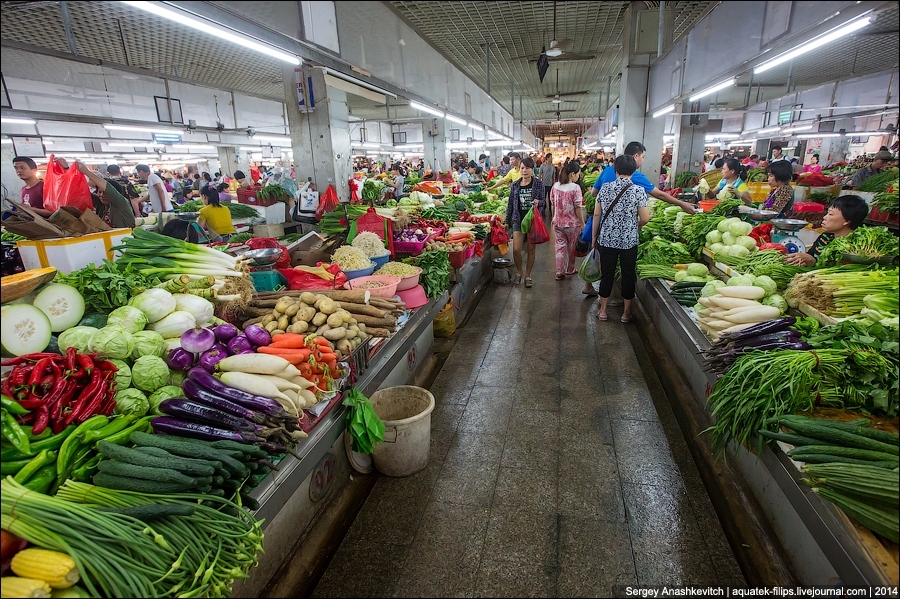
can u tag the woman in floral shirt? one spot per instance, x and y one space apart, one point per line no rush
568 217
781 198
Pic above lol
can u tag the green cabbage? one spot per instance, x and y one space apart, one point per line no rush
77 337
112 341
131 401
737 227
740 281
149 373
148 343
714 237
123 374
737 250
129 317
766 283
711 288
680 276
694 279
747 242
695 269
723 226
155 303
728 238
162 394
717 248
776 301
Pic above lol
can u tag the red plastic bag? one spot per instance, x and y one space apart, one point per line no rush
259 243
499 236
538 233
327 202
300 279
65 188
354 190
762 234
774 246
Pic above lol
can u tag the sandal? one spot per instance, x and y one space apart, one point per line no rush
602 317
625 319
591 293
569 274
517 280
560 277
529 282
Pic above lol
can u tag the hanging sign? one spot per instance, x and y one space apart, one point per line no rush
33 147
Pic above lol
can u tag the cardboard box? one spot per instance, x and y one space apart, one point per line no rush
269 230
274 214
73 220
22 220
312 249
71 253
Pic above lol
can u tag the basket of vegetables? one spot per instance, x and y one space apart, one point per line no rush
410 241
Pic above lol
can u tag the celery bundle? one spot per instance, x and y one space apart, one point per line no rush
840 291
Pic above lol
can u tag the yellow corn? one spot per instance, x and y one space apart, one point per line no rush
13 586
56 569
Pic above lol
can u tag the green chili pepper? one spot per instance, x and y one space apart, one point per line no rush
51 442
115 425
84 472
122 436
13 432
36 463
12 406
8 468
73 441
41 435
42 480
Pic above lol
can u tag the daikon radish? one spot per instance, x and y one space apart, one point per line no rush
754 315
729 303
282 384
733 311
707 302
289 406
743 291
718 325
309 397
292 395
253 364
252 383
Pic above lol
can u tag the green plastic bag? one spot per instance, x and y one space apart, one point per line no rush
526 221
590 267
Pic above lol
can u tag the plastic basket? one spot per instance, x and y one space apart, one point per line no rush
247 195
457 259
470 251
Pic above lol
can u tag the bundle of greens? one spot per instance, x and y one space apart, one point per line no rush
877 183
841 291
765 262
446 214
493 207
273 191
686 179
661 252
880 308
241 210
108 286
868 242
756 175
590 178
726 207
11 237
503 192
436 269
365 427
662 224
478 197
695 228
335 223
820 197
189 206
240 238
887 201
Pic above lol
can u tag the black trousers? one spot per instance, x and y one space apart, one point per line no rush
609 258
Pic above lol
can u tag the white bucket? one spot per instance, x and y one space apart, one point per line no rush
406 413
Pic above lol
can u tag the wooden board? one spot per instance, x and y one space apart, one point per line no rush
815 314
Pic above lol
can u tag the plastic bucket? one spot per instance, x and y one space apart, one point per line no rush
406 413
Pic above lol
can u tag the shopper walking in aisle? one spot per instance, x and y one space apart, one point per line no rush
214 216
110 203
568 217
525 193
781 198
156 193
548 174
33 192
398 180
733 176
620 210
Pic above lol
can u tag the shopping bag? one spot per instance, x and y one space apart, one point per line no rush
525 227
590 267
499 236
538 233
588 230
327 203
65 188
445 322
581 248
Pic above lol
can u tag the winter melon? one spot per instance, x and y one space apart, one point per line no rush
24 329
62 304
13 287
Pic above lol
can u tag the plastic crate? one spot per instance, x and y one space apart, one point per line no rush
457 259
247 195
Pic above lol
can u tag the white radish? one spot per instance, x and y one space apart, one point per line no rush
254 364
252 383
298 402
743 291
282 384
706 302
754 315
738 310
717 325
289 372
729 303
289 407
309 396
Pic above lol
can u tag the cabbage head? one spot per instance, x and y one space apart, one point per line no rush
162 394
695 269
131 401
129 317
740 281
149 373
737 250
723 226
694 279
714 237
680 276
766 283
717 248
747 242
156 304
776 301
148 343
112 341
728 238
123 374
77 337
711 288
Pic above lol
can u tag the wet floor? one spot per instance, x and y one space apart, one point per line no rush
554 470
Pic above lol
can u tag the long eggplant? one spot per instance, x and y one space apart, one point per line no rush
202 395
276 449
248 400
788 336
769 326
204 414
167 425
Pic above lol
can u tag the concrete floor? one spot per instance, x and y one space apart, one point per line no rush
555 471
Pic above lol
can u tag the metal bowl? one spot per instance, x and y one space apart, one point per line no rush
264 257
760 215
789 224
856 259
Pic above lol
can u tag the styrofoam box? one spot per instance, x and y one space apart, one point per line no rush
273 214
68 254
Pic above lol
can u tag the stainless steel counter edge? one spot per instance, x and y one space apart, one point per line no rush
825 523
277 488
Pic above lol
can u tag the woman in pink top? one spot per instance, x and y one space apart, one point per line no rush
813 166
568 217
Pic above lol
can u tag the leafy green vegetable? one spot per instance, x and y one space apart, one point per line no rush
661 252
869 242
240 238
686 179
11 237
365 427
436 269
190 206
877 183
106 287
241 210
696 231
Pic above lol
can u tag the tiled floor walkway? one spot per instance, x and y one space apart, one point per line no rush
554 471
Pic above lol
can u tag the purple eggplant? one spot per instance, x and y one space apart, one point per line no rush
257 335
211 357
239 345
769 326
253 402
195 392
180 359
225 332
787 336
167 425
204 414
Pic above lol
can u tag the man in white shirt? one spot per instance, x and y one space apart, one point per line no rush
777 155
156 192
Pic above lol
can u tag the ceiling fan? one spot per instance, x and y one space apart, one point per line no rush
557 98
557 51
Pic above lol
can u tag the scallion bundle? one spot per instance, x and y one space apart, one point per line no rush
166 257
841 291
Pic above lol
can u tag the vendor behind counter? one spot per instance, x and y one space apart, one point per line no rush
214 216
845 214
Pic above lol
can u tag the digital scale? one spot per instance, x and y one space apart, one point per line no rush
262 269
784 232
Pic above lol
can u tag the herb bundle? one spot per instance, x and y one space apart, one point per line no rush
109 286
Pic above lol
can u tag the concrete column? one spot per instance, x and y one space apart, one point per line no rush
690 141
320 139
437 152
230 160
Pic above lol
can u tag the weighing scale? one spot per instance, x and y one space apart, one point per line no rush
262 269
783 232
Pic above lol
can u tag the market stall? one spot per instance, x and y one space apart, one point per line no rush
772 355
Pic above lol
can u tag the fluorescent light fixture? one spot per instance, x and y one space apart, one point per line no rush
215 29
132 144
14 121
711 136
455 119
6 141
858 133
798 128
423 108
711 90
769 130
743 142
665 110
249 148
140 129
356 81
188 148
409 147
818 135
814 43
371 144
496 143
272 138
454 144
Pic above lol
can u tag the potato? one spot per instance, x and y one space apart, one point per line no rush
335 334
271 326
307 313
344 346
284 322
283 304
267 319
335 320
278 332
351 333
327 306
308 298
292 309
323 329
352 321
320 319
362 327
298 327
345 316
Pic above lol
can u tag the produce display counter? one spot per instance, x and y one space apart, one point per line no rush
470 280
294 497
826 548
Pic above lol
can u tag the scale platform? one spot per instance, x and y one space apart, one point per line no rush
784 232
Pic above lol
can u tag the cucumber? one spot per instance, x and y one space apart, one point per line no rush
849 452
793 439
139 485
878 435
62 304
882 521
152 511
814 458
246 448
189 448
812 428
24 329
864 482
689 285
138 458
93 319
249 503
164 475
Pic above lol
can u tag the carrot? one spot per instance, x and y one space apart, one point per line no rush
293 359
303 354
293 343
335 373
286 336
321 341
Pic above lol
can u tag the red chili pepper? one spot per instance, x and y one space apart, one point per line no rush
19 376
106 365
41 420
26 419
6 388
70 358
93 389
39 369
32 402
93 407
28 358
86 362
46 383
57 418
